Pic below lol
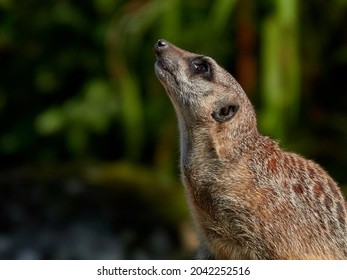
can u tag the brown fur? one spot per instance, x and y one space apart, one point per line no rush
250 199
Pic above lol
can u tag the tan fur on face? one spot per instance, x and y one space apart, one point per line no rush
249 199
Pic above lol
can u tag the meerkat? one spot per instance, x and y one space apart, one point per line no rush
249 198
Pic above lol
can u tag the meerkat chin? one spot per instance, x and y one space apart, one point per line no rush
249 198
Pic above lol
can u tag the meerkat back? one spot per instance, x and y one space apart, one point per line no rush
249 199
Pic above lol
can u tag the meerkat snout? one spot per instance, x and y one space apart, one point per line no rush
161 44
249 198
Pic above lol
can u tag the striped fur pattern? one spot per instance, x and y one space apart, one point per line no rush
249 198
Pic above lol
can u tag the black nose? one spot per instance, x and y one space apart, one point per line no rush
161 44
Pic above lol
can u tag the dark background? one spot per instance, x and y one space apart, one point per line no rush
89 140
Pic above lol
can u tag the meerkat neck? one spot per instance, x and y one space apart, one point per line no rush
198 142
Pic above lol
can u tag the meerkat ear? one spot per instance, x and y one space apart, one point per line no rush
225 113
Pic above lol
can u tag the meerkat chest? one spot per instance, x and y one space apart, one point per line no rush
207 188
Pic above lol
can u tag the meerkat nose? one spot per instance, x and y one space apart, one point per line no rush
161 44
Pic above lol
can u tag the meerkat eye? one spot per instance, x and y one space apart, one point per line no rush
225 113
201 67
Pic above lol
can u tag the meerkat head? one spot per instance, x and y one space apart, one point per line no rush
203 93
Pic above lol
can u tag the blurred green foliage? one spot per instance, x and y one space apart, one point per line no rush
77 80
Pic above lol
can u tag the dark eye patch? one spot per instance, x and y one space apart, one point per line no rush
201 66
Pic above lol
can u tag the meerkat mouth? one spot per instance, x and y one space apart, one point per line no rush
163 68
164 73
159 64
